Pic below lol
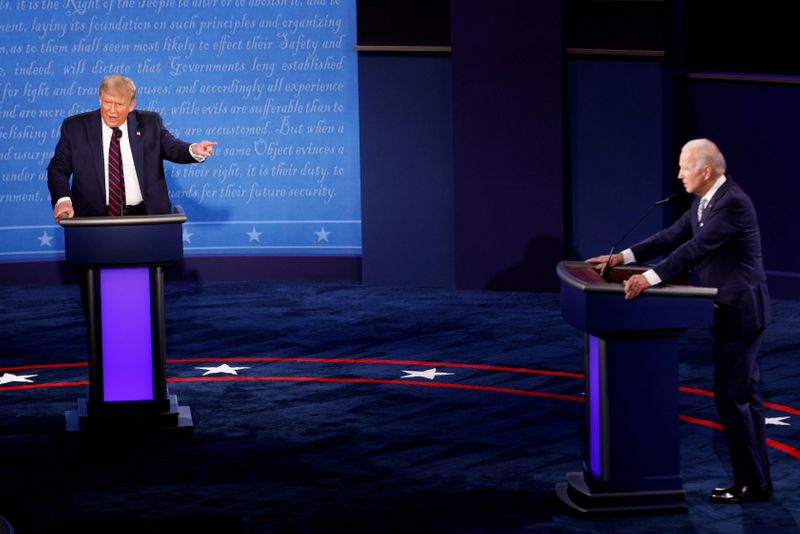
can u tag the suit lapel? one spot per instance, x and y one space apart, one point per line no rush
135 135
717 197
711 205
94 133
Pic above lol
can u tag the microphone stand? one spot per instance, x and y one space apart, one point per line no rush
604 272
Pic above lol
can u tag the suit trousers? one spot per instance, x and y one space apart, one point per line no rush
740 406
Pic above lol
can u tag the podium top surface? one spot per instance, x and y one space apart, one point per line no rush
175 218
583 277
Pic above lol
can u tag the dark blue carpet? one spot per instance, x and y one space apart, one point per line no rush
321 433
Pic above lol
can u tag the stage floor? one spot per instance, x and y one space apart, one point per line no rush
343 408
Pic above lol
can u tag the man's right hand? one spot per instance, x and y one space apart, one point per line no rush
63 211
600 261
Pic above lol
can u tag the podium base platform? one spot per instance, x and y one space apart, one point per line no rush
576 494
177 419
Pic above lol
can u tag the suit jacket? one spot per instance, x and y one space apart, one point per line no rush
726 250
79 154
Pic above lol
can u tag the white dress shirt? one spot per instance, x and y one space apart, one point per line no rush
651 276
133 193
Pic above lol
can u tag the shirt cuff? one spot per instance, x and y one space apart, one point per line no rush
628 257
61 201
652 278
198 158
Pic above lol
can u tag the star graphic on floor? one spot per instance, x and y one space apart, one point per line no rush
8 377
224 368
777 421
430 374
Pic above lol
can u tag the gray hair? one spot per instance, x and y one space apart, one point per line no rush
707 153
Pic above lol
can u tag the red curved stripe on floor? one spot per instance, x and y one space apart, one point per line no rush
373 381
791 451
703 422
694 391
52 385
44 366
770 405
782 408
382 362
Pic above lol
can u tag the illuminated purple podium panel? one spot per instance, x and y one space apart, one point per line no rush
632 457
120 260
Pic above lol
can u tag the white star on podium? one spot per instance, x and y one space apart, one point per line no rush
224 368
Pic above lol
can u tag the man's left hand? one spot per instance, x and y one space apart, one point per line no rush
635 285
204 148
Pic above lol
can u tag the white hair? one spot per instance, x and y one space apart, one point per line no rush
707 153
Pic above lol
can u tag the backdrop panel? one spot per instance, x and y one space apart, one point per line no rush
273 81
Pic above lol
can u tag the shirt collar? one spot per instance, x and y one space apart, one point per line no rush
108 129
710 193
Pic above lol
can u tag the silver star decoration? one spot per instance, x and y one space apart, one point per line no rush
254 235
187 236
430 374
44 240
224 368
322 235
777 421
8 377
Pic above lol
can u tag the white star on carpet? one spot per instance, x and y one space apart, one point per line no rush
430 374
44 240
254 235
777 421
322 235
8 377
224 368
187 236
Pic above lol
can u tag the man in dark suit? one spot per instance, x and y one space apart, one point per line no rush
85 149
720 237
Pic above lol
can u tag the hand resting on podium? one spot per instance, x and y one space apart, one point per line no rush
633 286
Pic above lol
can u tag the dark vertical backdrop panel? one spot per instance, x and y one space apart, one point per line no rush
755 126
406 170
507 135
620 151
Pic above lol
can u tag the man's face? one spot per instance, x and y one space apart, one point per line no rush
115 108
692 175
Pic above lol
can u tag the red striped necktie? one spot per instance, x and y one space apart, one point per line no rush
116 179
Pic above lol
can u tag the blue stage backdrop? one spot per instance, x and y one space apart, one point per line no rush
273 81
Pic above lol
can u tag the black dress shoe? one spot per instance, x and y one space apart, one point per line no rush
731 489
741 494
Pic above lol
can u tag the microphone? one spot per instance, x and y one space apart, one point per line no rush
117 132
669 200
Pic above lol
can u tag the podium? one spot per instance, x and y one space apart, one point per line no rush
632 457
120 261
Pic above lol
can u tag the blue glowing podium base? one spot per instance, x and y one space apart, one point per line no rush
120 263
632 459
